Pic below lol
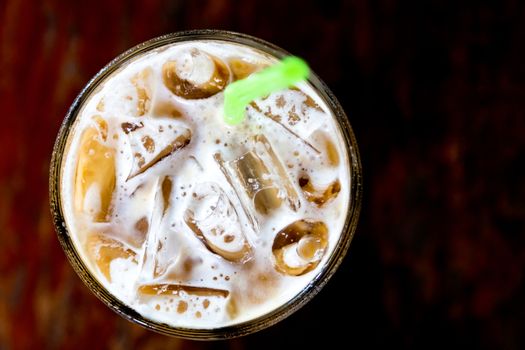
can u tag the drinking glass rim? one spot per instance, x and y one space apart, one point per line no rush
246 327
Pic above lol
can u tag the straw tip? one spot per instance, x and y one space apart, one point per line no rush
237 95
296 67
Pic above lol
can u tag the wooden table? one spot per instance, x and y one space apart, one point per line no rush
436 95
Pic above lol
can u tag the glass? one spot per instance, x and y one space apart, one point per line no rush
253 325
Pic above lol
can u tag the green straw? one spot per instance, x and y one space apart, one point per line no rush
282 75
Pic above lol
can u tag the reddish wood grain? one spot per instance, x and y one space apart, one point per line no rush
435 93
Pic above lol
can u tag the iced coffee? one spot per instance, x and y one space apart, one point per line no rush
188 221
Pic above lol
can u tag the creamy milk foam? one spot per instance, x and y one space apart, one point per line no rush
190 221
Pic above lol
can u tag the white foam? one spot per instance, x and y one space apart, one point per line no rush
256 284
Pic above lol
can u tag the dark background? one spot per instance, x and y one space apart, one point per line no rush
436 95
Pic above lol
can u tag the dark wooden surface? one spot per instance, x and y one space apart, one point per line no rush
436 95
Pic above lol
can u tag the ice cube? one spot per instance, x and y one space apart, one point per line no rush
213 219
259 179
299 247
144 85
169 289
103 249
185 266
278 120
95 174
149 145
326 144
195 74
151 101
265 151
165 252
314 195
149 265
241 69
294 111
136 213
